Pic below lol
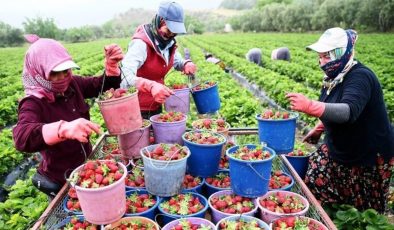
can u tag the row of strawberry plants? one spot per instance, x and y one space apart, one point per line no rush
274 84
306 76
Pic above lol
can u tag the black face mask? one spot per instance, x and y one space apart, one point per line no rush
153 28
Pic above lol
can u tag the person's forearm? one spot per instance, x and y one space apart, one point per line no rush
179 62
132 61
336 112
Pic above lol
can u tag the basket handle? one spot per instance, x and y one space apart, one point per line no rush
258 174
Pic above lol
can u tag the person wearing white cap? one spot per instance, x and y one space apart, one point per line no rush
53 117
282 53
354 163
151 55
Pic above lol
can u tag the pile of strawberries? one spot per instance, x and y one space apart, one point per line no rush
116 93
72 203
185 224
215 125
281 202
135 178
167 152
279 180
137 203
170 117
232 204
275 115
220 180
205 85
239 224
182 204
251 154
204 137
190 181
135 224
99 173
292 223
298 153
77 224
178 86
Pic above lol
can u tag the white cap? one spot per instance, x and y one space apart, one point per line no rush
65 65
331 39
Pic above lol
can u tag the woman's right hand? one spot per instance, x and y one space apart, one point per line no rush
79 129
314 135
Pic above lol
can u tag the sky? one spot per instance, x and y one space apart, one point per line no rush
75 13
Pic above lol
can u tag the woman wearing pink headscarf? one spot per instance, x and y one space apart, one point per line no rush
53 117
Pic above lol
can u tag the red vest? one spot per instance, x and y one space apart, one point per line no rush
154 68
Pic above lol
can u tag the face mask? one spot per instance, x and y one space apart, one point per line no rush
61 86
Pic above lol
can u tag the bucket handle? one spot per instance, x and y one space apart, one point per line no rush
184 103
85 159
123 76
142 133
258 174
172 217
168 162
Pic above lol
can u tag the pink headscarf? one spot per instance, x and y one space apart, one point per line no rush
42 56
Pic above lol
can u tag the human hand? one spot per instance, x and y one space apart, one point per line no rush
160 92
113 55
79 129
301 103
313 136
189 68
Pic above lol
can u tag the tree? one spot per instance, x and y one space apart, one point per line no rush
45 28
10 36
193 25
238 5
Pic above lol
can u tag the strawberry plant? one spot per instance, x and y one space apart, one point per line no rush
182 204
300 150
185 224
135 178
99 173
204 137
239 224
297 223
215 125
190 181
175 80
137 203
282 202
170 117
167 152
279 180
77 224
116 93
251 154
232 204
220 180
204 85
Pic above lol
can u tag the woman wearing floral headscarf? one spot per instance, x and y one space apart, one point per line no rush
53 117
354 164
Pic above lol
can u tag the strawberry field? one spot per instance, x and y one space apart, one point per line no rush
24 204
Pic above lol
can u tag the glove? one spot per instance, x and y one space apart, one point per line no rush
159 91
314 135
78 129
189 68
113 55
302 104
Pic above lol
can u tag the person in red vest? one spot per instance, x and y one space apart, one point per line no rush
151 55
